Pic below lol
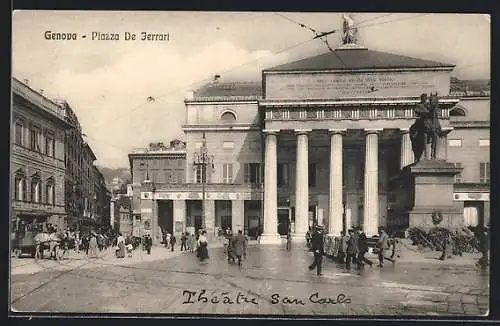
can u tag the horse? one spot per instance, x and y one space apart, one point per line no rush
49 241
426 129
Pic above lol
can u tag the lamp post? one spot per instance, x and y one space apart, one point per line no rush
201 160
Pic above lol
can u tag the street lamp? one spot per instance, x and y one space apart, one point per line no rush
201 160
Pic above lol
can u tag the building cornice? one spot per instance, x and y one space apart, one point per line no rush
366 70
470 124
404 100
223 100
240 127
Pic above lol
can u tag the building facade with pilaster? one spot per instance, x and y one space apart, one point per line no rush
37 159
318 141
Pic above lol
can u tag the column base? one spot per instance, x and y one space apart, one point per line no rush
266 239
298 237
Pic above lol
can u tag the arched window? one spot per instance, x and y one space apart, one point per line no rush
228 117
457 112
19 186
36 188
50 192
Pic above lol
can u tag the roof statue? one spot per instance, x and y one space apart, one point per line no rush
350 31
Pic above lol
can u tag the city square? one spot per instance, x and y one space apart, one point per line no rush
344 175
271 281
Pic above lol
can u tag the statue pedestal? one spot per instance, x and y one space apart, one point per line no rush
432 194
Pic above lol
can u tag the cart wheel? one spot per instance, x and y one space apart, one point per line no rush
16 253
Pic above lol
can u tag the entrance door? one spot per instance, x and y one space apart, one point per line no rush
197 223
283 220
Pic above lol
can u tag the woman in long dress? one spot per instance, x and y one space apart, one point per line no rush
203 246
120 243
93 246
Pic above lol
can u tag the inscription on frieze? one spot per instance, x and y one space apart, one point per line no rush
346 85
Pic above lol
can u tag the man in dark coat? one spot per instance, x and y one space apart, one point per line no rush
173 240
239 243
183 241
352 248
148 243
363 249
317 248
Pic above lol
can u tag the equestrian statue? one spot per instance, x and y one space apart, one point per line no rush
426 130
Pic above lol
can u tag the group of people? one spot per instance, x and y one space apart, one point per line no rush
235 246
124 246
352 249
188 241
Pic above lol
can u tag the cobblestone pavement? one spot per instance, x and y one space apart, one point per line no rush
271 281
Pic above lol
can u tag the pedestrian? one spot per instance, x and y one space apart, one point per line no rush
382 246
246 244
192 242
173 240
230 249
363 249
93 246
352 249
342 247
239 246
120 244
167 240
202 246
148 243
317 248
183 241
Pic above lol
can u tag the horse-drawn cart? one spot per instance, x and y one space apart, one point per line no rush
23 243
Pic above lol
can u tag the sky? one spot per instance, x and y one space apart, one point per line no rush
107 83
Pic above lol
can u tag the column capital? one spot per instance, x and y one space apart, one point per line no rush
337 131
271 131
404 130
373 130
302 131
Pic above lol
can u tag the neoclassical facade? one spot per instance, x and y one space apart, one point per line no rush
316 141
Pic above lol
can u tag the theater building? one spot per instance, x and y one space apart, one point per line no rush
317 140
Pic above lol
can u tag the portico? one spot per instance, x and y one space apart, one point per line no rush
342 119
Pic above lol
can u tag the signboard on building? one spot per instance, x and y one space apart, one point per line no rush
471 196
179 226
350 84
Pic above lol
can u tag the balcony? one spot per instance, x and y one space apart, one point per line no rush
30 207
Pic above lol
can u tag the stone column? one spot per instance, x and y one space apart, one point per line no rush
270 234
371 213
407 156
237 215
179 215
302 186
336 192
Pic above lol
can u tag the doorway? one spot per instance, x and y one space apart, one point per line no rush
166 216
284 225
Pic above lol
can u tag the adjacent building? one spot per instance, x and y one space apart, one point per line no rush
158 165
316 141
54 177
38 129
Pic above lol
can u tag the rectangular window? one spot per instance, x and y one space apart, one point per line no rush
484 142
35 139
282 174
458 177
198 173
227 173
484 172
253 172
228 144
455 142
312 175
50 145
19 133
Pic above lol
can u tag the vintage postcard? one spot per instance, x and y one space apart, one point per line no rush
250 163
